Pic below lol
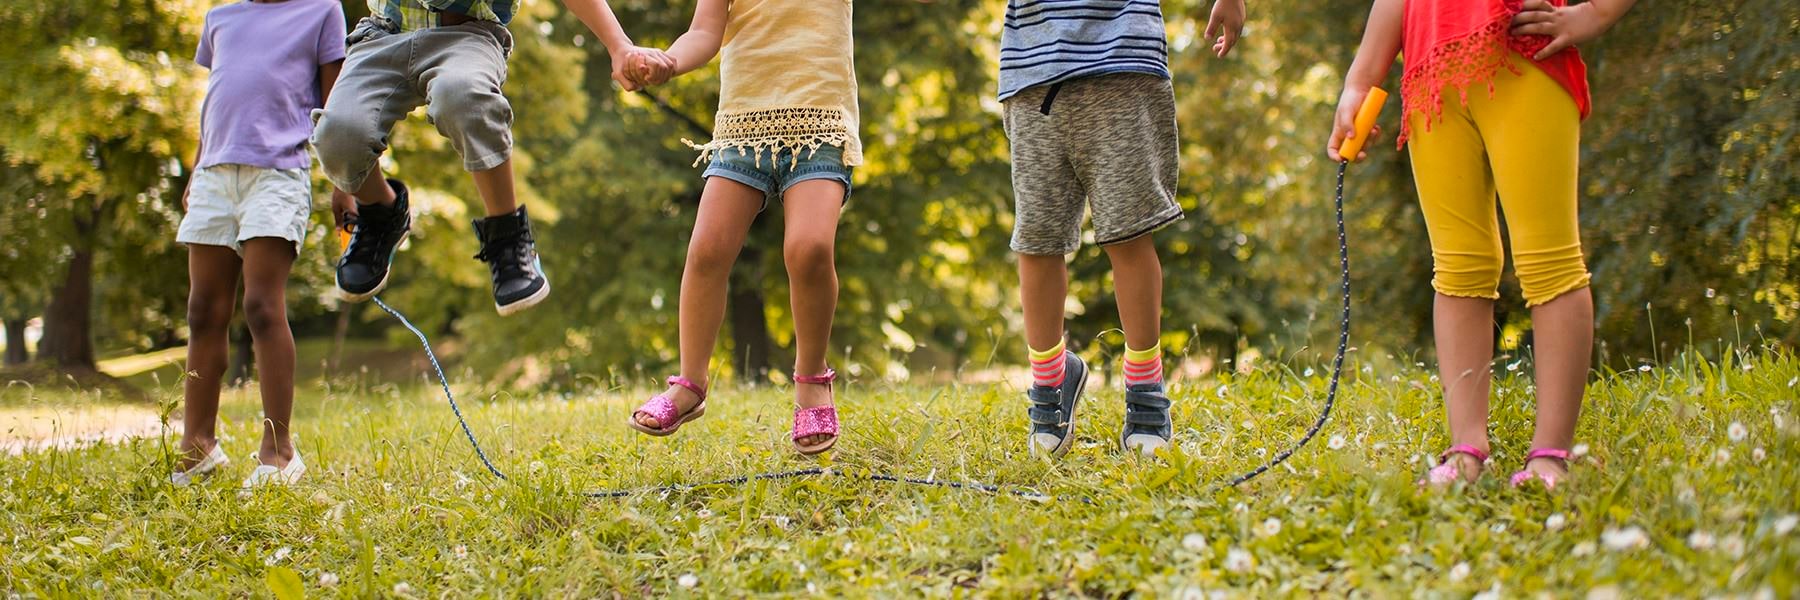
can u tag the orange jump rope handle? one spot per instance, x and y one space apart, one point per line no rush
1365 120
343 239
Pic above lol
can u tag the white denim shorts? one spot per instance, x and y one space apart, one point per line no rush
228 204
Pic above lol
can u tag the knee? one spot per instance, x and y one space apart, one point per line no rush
809 257
469 105
348 148
708 257
1467 275
208 316
264 314
1543 279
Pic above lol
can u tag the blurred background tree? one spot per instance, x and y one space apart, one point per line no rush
1691 204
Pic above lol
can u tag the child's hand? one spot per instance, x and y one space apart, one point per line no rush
1345 124
1225 25
343 206
1565 25
652 67
623 70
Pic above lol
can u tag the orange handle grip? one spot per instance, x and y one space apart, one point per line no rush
343 239
1365 120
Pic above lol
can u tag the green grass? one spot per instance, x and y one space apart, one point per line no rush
395 503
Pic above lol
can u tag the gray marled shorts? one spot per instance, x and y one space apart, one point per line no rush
1108 142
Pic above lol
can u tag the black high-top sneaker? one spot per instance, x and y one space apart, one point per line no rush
507 247
1052 410
375 232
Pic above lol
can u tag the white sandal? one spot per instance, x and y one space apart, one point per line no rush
272 475
206 466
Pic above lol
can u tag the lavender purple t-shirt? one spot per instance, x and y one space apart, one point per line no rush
264 59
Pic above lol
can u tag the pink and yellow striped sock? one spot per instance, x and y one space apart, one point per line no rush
1143 366
1047 366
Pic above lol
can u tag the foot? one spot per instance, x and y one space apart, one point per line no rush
275 454
811 396
1147 423
509 249
685 400
194 465
1549 465
1461 462
375 233
266 474
195 451
1052 411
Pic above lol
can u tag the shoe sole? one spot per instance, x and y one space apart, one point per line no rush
524 303
1068 441
349 296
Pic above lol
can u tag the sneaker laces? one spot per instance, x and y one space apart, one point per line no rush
507 254
363 240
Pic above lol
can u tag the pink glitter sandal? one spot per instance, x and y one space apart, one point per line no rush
818 420
663 409
1525 476
1446 472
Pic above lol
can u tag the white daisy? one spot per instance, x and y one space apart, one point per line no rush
461 551
1459 572
1555 522
1722 455
1700 540
1605 592
1270 527
1737 431
401 589
1733 545
1757 454
1492 593
1579 450
1194 542
1629 538
1335 443
1786 524
1583 549
1238 561
328 579
688 580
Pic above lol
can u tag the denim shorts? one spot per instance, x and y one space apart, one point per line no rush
773 172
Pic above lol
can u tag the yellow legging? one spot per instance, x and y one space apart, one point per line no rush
1522 144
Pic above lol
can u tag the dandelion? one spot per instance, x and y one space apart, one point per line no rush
328 579
401 589
1722 456
1786 524
1555 522
1194 542
1737 431
1583 549
1757 454
1238 561
688 580
461 551
1733 544
1270 527
1701 540
1336 442
1579 450
1459 572
811 589
1629 538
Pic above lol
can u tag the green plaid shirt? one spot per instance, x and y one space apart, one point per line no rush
421 14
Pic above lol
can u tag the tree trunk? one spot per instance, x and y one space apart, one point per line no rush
337 337
243 356
16 353
750 343
68 321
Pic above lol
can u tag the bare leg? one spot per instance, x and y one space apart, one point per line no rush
727 208
1563 331
1465 348
496 188
375 190
267 263
810 211
1043 288
1137 286
212 290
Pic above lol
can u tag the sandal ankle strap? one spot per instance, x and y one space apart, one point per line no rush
689 385
1479 455
1556 453
821 379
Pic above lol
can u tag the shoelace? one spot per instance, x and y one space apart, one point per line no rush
508 254
364 242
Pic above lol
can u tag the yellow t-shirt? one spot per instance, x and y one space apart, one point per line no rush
787 78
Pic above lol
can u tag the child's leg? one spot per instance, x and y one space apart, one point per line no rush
1138 288
462 69
1535 169
267 263
496 188
212 290
1043 292
1456 196
372 93
810 210
727 208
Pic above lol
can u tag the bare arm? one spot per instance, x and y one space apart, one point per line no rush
341 202
701 42
599 18
1380 44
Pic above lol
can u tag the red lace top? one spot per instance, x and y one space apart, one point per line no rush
1464 42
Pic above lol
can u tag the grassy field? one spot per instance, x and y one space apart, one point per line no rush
1687 487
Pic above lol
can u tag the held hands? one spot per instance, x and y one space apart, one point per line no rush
1565 25
343 206
1344 124
1225 25
639 67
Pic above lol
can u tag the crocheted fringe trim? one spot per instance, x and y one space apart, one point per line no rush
1460 62
777 129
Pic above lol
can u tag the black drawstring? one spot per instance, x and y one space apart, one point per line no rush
1050 97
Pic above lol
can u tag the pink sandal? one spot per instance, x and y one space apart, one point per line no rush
1525 476
818 420
1446 472
663 409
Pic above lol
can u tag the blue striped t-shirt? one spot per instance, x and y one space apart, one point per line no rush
1050 41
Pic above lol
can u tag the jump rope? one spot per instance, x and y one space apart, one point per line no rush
1352 145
